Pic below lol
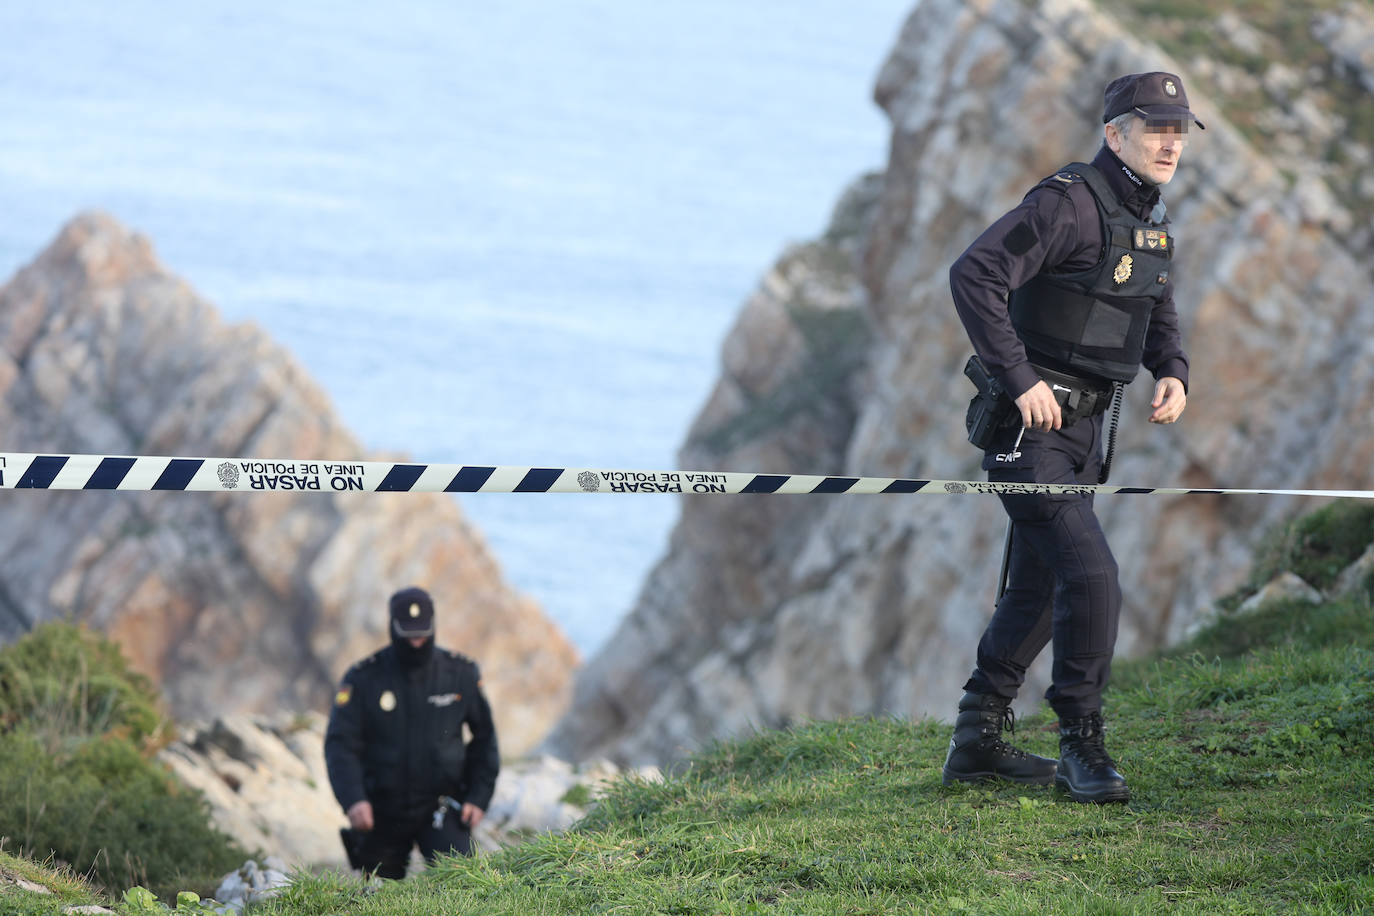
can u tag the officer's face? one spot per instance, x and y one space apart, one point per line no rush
1151 148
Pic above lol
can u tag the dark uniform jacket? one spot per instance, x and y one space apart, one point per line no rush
1056 228
395 735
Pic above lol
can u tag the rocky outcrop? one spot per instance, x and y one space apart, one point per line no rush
231 602
848 359
264 780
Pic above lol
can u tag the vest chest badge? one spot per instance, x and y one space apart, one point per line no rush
1154 239
1123 270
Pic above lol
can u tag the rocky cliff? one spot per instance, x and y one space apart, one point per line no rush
848 360
264 781
232 602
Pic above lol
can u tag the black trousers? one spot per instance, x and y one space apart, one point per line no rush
385 849
1062 585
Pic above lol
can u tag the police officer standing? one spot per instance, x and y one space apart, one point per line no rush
1063 299
395 749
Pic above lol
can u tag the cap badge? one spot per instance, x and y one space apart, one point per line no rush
1123 270
387 701
414 610
1170 89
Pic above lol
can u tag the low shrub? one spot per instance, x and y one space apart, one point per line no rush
1317 546
66 683
77 780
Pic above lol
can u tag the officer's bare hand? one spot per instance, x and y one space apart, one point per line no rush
471 815
1039 409
360 815
1170 399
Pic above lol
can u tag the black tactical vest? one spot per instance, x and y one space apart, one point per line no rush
1094 321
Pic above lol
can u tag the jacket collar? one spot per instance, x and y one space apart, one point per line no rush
1136 193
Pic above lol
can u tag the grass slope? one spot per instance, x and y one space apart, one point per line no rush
1248 751
1253 791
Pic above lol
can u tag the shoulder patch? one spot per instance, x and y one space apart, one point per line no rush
1020 239
1061 182
344 695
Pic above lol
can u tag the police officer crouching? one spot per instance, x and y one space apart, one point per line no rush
395 748
1064 298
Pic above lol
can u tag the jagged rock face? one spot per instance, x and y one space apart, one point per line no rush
265 785
232 602
770 609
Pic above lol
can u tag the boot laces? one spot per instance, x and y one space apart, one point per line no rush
1094 754
1088 746
993 736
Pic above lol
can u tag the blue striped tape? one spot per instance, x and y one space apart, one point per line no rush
27 471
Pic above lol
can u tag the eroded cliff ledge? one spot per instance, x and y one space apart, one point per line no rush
232 602
848 361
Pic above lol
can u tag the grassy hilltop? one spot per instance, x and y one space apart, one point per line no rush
1249 751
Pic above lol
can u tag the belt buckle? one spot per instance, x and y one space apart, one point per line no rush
1073 397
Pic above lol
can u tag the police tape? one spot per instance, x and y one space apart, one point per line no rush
28 471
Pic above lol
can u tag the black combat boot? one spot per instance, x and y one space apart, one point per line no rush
977 751
1085 770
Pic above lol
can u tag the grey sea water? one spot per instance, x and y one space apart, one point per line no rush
507 233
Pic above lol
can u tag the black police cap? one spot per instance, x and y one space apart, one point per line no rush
412 613
1153 96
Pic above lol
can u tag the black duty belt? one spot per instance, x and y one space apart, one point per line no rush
1078 397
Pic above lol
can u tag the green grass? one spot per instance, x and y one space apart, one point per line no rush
1248 751
1252 781
1317 546
65 889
